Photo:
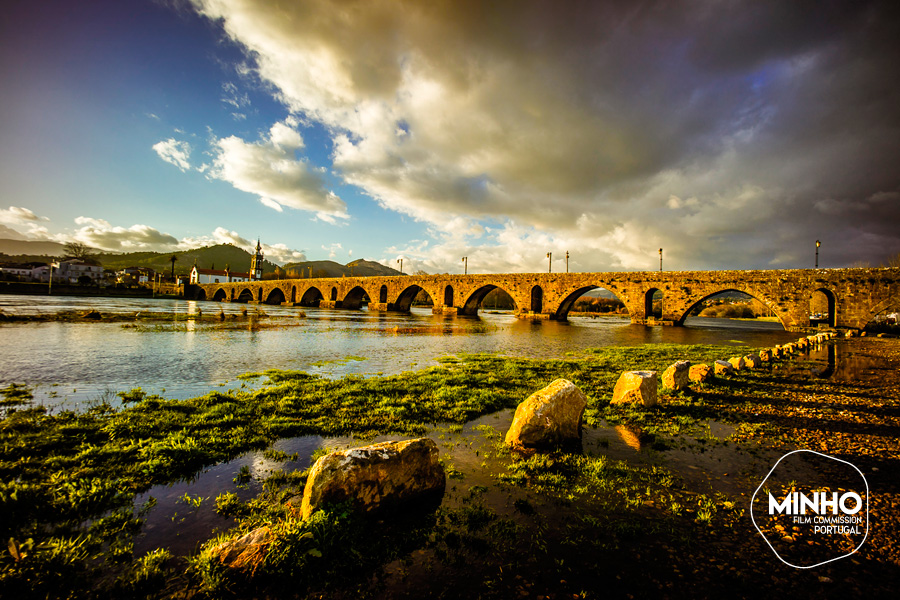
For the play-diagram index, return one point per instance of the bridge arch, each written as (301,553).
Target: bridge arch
(383,294)
(293,294)
(246,295)
(200,294)
(885,306)
(755,295)
(649,300)
(537,299)
(448,295)
(470,306)
(355,298)
(220,295)
(407,296)
(568,303)
(333,294)
(276,296)
(823,299)
(311,297)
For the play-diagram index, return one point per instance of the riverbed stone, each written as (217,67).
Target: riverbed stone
(247,552)
(753,361)
(636,387)
(676,376)
(766,355)
(548,418)
(737,362)
(385,475)
(777,352)
(722,367)
(700,373)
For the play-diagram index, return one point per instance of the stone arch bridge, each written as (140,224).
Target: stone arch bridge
(854,296)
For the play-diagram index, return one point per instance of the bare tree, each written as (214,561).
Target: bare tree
(894,261)
(76,250)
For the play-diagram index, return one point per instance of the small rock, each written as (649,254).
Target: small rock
(676,376)
(700,373)
(549,417)
(636,387)
(245,553)
(723,367)
(737,363)
(753,361)
(766,355)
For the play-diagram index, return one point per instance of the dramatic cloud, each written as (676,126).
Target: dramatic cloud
(174,152)
(16,215)
(22,217)
(730,134)
(270,169)
(100,234)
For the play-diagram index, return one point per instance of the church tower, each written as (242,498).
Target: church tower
(256,263)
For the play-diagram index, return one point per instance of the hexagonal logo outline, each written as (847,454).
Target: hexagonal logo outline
(766,478)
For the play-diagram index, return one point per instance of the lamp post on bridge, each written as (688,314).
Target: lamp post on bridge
(310,272)
(660,260)
(567,261)
(400,260)
(549,262)
(465,260)
(818,243)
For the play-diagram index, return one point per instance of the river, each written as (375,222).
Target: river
(71,364)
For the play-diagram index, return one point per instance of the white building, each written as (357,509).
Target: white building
(216,276)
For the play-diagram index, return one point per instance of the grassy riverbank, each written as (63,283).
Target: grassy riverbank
(554,525)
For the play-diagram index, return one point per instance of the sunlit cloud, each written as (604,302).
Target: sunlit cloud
(270,169)
(174,152)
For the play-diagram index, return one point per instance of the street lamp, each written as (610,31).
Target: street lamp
(400,260)
(465,260)
(818,243)
(567,261)
(550,262)
(660,259)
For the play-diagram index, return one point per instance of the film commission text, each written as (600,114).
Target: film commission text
(797,503)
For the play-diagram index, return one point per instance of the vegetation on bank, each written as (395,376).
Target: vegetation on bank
(68,481)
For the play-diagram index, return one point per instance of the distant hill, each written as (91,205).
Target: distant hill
(208,257)
(329,268)
(26,248)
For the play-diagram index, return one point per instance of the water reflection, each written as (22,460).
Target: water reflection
(188,357)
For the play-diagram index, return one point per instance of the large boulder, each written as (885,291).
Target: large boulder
(766,355)
(635,387)
(700,373)
(737,362)
(549,417)
(676,376)
(388,474)
(723,367)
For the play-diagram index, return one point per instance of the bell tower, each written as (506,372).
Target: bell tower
(256,263)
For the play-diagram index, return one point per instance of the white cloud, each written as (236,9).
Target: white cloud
(278,253)
(17,215)
(270,169)
(174,152)
(332,249)
(98,233)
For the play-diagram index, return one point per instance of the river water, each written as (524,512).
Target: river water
(70,364)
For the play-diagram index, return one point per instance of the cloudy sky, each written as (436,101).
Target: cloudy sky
(732,134)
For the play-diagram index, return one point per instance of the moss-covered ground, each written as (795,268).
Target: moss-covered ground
(551,525)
